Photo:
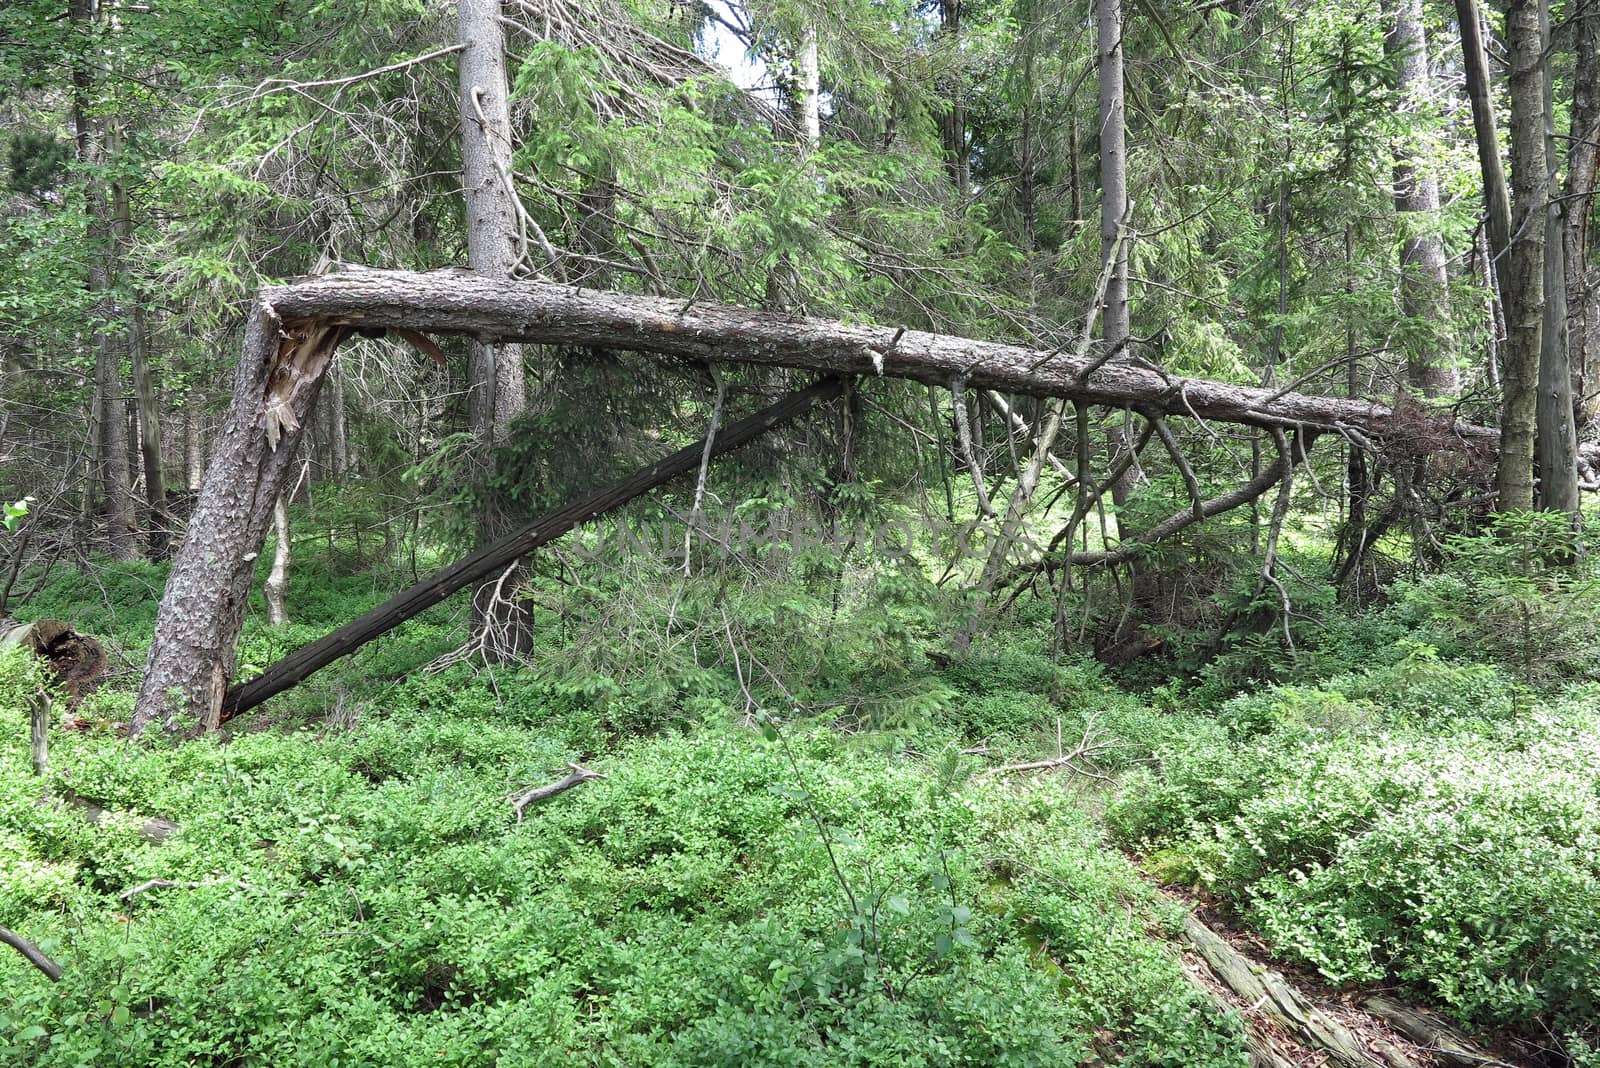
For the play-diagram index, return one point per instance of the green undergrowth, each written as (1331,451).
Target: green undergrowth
(367,897)
(1425,822)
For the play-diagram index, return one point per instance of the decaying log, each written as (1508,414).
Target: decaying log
(1434,1035)
(35,955)
(1269,990)
(155,830)
(77,660)
(495,556)
(576,777)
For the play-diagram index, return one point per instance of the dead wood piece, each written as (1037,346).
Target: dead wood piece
(77,660)
(1432,1034)
(1270,991)
(169,884)
(576,777)
(35,955)
(486,561)
(155,830)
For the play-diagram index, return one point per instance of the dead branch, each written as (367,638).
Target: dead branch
(35,955)
(958,406)
(576,777)
(1079,761)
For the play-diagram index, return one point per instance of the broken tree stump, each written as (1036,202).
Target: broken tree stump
(77,660)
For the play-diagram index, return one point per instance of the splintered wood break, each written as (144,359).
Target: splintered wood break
(303,355)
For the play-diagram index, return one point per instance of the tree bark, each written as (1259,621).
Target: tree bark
(496,247)
(194,453)
(1556,445)
(109,406)
(1522,273)
(1113,172)
(1424,283)
(457,302)
(1497,200)
(1583,170)
(192,653)
(276,588)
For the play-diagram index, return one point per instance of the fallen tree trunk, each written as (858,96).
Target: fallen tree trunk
(497,555)
(1447,1045)
(33,953)
(458,302)
(1265,989)
(294,330)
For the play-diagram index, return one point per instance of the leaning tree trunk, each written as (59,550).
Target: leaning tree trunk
(1424,283)
(496,245)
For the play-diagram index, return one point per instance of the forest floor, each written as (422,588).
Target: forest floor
(852,882)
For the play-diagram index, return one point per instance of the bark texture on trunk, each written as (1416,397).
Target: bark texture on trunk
(1113,171)
(1556,445)
(1583,170)
(1522,267)
(276,589)
(459,302)
(192,654)
(1424,283)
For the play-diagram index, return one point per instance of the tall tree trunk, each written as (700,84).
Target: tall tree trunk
(109,407)
(1583,170)
(146,394)
(1522,277)
(1113,171)
(495,247)
(809,75)
(953,120)
(1556,449)
(1424,283)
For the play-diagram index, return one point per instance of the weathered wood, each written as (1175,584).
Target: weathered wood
(1269,990)
(576,777)
(1433,1034)
(458,302)
(494,557)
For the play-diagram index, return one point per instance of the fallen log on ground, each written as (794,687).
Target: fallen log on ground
(1269,991)
(494,557)
(1434,1035)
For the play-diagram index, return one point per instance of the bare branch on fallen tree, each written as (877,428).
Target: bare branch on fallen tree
(1299,447)
(958,407)
(578,776)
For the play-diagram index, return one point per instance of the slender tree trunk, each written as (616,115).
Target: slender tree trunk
(1556,455)
(1113,171)
(953,121)
(194,457)
(276,588)
(1424,283)
(1522,279)
(1583,170)
(109,459)
(146,394)
(496,246)
(809,75)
